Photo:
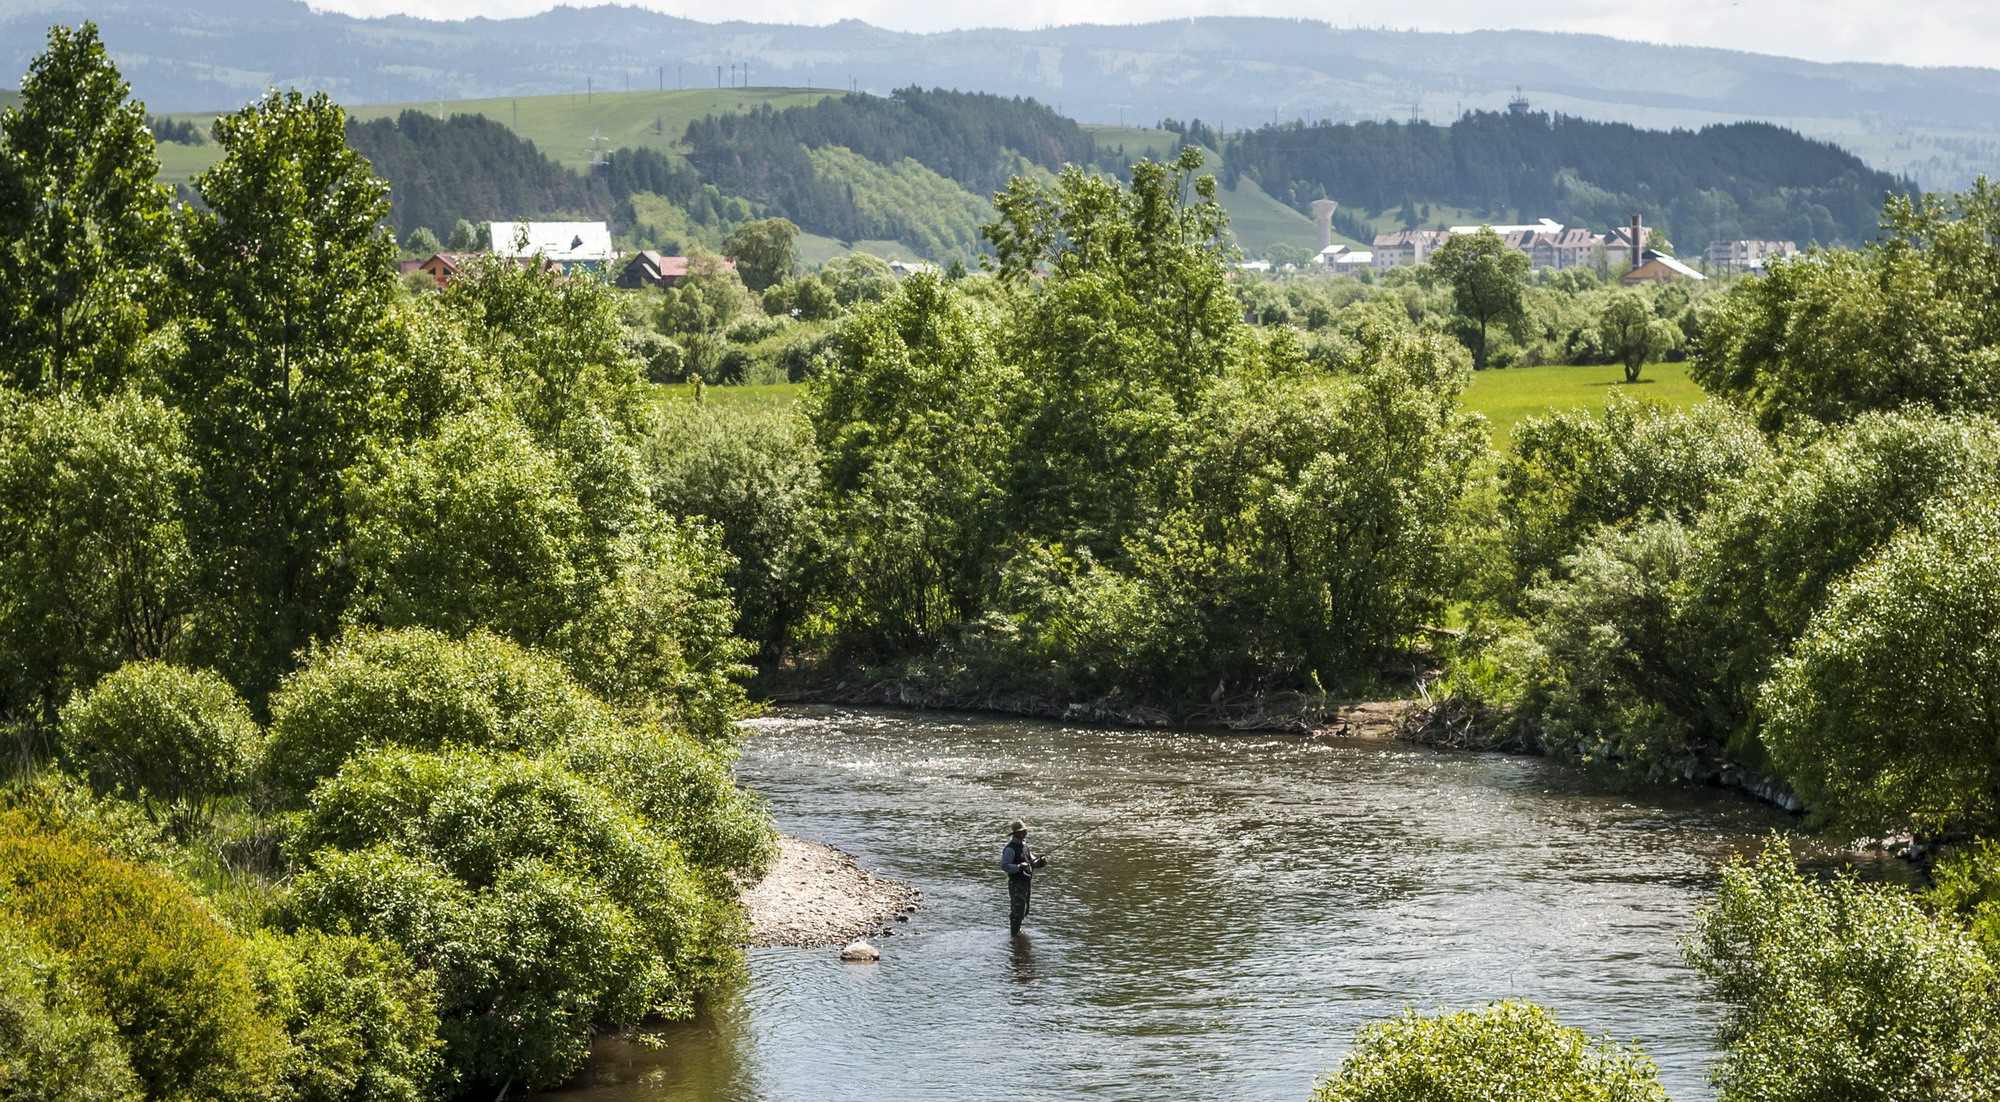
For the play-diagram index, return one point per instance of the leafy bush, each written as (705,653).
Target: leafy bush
(1906,323)
(94,562)
(1882,714)
(421,689)
(685,791)
(55,1046)
(1844,992)
(363,1025)
(1570,472)
(752,474)
(163,732)
(543,904)
(1611,674)
(1966,882)
(172,980)
(1504,1052)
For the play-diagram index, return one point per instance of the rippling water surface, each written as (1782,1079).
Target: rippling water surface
(1231,909)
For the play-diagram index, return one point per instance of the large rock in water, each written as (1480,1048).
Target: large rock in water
(861,951)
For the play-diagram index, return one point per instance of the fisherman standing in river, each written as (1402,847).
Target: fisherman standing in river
(1020,864)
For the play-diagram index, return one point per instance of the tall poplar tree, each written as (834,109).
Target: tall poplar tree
(84,224)
(292,277)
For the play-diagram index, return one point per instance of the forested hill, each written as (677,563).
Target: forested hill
(1720,182)
(917,166)
(974,139)
(473,168)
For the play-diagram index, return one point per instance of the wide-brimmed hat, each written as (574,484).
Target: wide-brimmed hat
(1016,827)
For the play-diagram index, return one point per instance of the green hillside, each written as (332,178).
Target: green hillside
(562,126)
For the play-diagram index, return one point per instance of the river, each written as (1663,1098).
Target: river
(1233,907)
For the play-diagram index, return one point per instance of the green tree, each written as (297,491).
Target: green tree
(1907,322)
(1115,347)
(95,566)
(763,251)
(1882,716)
(1503,1052)
(1485,277)
(84,221)
(421,242)
(907,424)
(464,238)
(282,379)
(756,478)
(158,732)
(1631,333)
(1844,992)
(1569,472)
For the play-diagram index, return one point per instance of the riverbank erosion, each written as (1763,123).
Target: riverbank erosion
(815,895)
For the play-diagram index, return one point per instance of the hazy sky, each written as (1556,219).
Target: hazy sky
(1913,32)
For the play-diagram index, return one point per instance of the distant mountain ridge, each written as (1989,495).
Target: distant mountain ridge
(1939,126)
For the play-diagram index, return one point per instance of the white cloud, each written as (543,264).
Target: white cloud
(1911,32)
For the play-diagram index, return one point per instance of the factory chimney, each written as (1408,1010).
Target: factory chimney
(1638,241)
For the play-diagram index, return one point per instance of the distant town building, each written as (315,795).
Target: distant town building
(1620,239)
(568,247)
(1658,267)
(1747,255)
(1406,248)
(650,269)
(904,268)
(1340,258)
(444,266)
(1548,244)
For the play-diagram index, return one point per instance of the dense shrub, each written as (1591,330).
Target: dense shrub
(55,1046)
(94,561)
(1966,882)
(544,905)
(752,474)
(1844,992)
(1569,472)
(1611,674)
(685,791)
(1775,544)
(175,735)
(420,689)
(1505,1052)
(363,1025)
(1906,323)
(1882,716)
(162,968)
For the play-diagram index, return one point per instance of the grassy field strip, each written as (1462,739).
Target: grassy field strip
(1504,395)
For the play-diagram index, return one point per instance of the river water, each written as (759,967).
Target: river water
(1232,908)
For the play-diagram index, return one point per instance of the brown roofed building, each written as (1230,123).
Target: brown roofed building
(650,269)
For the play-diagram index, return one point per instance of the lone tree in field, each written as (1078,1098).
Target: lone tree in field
(1485,277)
(1632,334)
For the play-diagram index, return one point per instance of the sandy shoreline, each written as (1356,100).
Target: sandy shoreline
(815,895)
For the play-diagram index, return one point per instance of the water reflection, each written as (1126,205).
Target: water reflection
(1223,911)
